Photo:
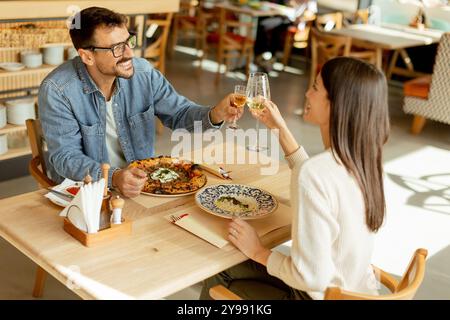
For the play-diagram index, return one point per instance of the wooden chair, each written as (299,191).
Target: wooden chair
(187,24)
(159,25)
(329,21)
(228,43)
(325,47)
(297,38)
(156,50)
(405,289)
(427,97)
(37,167)
(38,170)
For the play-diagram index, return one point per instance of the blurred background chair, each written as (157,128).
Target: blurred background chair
(427,97)
(325,47)
(329,21)
(406,289)
(233,40)
(187,24)
(38,170)
(157,33)
(158,27)
(297,37)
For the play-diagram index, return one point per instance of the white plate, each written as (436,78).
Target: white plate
(12,66)
(59,201)
(266,203)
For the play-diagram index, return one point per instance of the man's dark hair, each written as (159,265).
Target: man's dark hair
(89,20)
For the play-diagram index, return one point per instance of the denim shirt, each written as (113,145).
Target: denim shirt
(72,111)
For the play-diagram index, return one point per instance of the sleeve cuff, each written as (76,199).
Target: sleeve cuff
(274,263)
(297,157)
(210,124)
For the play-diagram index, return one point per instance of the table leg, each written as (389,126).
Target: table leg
(379,57)
(39,283)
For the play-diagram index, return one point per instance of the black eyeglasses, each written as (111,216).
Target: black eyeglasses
(119,48)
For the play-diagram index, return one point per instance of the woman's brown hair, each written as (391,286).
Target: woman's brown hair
(359,127)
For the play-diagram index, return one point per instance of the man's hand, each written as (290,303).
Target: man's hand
(129,181)
(226,110)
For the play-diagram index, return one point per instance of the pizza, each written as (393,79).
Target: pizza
(170,176)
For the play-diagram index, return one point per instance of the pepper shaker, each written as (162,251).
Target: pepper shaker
(117,205)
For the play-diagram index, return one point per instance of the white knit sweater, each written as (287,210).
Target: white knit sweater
(331,243)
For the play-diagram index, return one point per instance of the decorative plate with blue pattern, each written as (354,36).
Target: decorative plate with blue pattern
(236,200)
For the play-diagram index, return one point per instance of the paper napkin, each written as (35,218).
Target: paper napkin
(84,210)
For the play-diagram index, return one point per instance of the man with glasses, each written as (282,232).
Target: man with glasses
(101,106)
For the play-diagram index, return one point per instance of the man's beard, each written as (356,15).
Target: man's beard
(122,73)
(118,71)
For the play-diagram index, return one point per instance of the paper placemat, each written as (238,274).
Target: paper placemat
(214,229)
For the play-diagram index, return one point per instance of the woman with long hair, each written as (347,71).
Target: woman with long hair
(337,196)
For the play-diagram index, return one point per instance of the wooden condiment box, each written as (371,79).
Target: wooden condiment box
(104,235)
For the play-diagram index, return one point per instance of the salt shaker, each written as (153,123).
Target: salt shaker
(117,205)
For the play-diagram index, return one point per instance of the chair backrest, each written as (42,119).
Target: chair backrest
(158,27)
(325,47)
(403,290)
(440,80)
(330,21)
(37,167)
(361,16)
(229,24)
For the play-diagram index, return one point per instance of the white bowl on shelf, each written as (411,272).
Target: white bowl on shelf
(2,116)
(3,144)
(12,66)
(20,110)
(31,58)
(53,54)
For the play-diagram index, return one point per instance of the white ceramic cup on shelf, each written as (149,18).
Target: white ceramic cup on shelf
(31,58)
(20,110)
(53,54)
(2,116)
(3,144)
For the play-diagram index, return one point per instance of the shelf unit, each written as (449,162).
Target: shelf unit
(14,153)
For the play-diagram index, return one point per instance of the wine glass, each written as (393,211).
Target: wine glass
(258,92)
(240,98)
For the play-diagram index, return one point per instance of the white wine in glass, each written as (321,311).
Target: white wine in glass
(258,91)
(239,99)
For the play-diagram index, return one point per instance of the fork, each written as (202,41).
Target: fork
(174,218)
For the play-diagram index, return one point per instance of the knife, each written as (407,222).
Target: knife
(217,173)
(67,196)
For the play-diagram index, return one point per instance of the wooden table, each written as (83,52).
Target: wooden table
(264,11)
(156,260)
(389,37)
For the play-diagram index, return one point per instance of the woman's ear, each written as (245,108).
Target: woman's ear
(86,56)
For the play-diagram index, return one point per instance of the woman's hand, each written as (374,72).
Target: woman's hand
(270,116)
(245,238)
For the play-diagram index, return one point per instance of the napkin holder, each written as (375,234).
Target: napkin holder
(102,236)
(108,231)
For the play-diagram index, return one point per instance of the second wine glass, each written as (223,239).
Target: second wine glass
(258,91)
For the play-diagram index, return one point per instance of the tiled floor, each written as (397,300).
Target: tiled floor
(417,182)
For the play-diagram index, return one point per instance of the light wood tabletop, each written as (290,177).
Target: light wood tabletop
(389,36)
(264,11)
(156,260)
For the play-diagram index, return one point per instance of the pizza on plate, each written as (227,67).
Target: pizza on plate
(170,176)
